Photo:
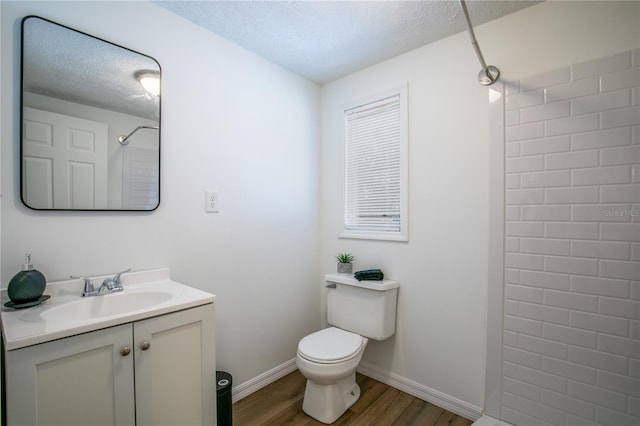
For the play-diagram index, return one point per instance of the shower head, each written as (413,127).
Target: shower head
(488,74)
(124,140)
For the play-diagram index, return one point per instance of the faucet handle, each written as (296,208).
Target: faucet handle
(114,284)
(89,290)
(116,278)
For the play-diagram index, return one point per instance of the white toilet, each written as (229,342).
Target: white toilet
(358,311)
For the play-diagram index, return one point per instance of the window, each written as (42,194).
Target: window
(375,175)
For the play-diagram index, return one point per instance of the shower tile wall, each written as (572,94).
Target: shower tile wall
(571,353)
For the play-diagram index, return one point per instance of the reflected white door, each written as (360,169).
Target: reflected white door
(64,161)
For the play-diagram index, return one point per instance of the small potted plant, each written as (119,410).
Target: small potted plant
(344,263)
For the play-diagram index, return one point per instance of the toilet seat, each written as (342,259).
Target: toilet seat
(330,345)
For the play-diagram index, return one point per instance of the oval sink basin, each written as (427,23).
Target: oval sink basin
(104,306)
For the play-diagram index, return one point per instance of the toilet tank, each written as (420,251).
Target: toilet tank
(367,308)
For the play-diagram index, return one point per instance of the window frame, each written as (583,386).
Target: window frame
(403,233)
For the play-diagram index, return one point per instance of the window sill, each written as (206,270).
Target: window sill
(382,236)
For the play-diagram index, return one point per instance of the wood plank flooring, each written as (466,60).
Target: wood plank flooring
(280,403)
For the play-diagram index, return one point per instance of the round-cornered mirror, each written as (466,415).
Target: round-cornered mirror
(90,136)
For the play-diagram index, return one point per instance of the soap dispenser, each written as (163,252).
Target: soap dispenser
(27,286)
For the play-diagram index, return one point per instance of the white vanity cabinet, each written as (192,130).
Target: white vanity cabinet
(154,371)
(175,378)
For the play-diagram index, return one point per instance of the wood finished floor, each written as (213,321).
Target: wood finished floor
(280,403)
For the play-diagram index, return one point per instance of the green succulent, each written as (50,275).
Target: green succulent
(344,258)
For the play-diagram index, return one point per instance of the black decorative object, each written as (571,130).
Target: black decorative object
(26,286)
(39,301)
(369,275)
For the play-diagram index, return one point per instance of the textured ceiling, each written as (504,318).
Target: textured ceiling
(325,40)
(319,40)
(62,63)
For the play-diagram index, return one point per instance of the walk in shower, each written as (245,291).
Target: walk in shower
(564,291)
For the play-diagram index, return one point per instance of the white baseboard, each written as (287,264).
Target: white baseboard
(247,388)
(425,393)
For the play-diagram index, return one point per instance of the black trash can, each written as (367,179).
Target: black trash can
(223,392)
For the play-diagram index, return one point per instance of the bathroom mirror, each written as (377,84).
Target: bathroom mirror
(90,122)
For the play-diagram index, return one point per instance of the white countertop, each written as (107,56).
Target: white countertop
(26,327)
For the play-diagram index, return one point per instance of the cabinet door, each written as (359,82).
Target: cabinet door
(79,380)
(175,368)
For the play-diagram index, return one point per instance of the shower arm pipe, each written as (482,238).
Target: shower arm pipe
(488,74)
(124,140)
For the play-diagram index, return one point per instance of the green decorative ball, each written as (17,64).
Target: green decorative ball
(26,286)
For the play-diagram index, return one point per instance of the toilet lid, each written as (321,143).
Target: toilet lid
(329,345)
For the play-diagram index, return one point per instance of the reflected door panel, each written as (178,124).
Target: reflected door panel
(68,155)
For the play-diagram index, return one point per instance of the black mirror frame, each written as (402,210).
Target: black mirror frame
(21,132)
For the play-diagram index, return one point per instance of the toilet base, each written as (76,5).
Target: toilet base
(326,403)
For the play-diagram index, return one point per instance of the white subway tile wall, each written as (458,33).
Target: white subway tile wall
(571,352)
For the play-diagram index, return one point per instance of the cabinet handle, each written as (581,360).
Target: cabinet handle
(125,351)
(145,345)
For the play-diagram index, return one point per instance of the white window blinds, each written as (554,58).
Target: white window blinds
(374,167)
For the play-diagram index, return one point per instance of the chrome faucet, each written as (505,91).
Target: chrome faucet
(111,285)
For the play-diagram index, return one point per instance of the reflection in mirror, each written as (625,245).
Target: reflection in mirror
(90,137)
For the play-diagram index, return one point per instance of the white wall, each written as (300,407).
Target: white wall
(231,122)
(439,347)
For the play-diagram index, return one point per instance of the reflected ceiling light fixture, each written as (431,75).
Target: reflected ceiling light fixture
(150,80)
